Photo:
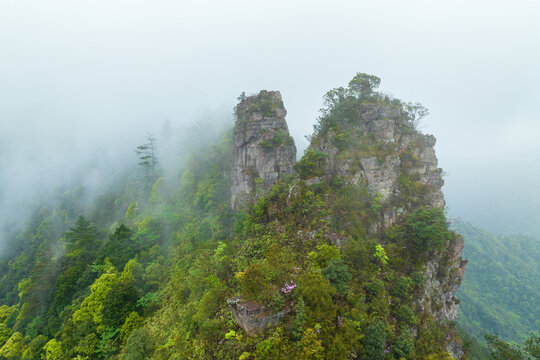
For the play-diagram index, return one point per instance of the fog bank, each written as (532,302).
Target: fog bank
(82,82)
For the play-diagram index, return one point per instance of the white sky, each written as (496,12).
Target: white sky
(76,76)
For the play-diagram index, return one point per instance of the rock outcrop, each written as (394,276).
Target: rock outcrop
(387,153)
(263,149)
(397,163)
(442,278)
(379,148)
(253,317)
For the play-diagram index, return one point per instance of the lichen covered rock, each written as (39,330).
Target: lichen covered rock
(263,149)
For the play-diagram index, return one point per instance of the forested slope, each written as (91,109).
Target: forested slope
(501,290)
(352,266)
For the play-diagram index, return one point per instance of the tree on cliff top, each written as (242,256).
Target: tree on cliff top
(341,104)
(364,84)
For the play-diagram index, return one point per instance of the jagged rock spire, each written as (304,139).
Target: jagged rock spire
(389,151)
(263,149)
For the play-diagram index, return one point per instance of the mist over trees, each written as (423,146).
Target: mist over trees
(59,93)
(31,180)
(117,240)
(115,274)
(148,154)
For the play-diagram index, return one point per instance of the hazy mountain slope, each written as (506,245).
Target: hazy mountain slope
(345,254)
(501,289)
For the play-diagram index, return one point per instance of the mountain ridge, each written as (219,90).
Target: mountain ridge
(349,246)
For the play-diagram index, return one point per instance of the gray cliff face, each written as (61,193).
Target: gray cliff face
(263,149)
(407,153)
(409,161)
(442,278)
(382,151)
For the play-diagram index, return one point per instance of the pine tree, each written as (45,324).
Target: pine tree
(147,154)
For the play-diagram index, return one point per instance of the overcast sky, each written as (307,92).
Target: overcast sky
(80,77)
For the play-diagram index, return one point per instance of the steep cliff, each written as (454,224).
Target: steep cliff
(382,149)
(397,163)
(364,211)
(264,151)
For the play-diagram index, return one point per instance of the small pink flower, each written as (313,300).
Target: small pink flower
(288,287)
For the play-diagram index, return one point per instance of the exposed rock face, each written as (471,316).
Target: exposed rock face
(409,161)
(252,317)
(408,153)
(442,278)
(380,177)
(263,149)
(381,150)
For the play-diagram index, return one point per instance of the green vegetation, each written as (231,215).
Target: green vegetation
(427,229)
(280,138)
(147,154)
(82,286)
(264,104)
(311,164)
(341,106)
(146,272)
(501,288)
(501,350)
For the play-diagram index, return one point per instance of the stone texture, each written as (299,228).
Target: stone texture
(263,148)
(387,126)
(442,278)
(380,177)
(253,317)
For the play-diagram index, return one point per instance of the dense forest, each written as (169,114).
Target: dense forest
(149,269)
(500,292)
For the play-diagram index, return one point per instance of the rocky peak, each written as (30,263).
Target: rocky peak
(369,141)
(391,157)
(263,149)
(397,163)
